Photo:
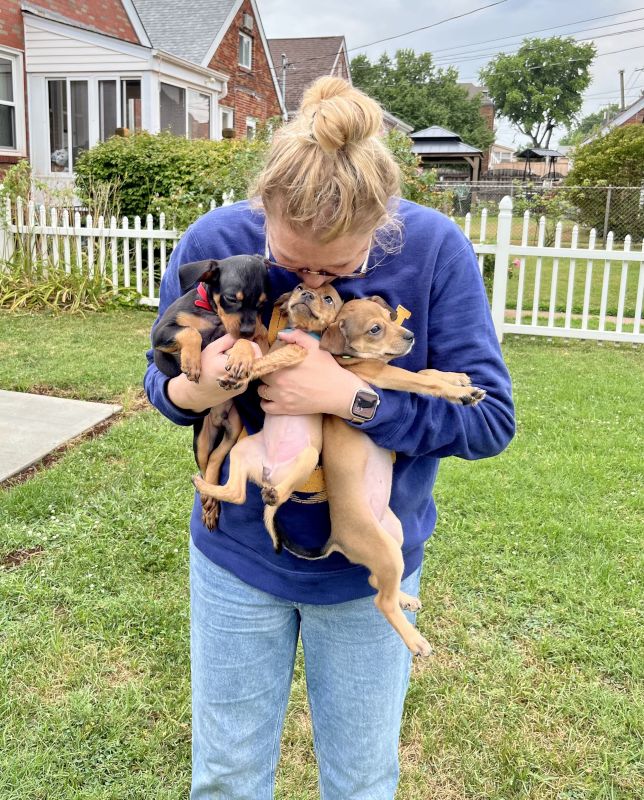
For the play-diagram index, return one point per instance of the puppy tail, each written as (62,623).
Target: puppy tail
(297,550)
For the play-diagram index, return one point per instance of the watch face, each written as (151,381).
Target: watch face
(365,404)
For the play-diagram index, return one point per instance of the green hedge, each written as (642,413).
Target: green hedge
(149,174)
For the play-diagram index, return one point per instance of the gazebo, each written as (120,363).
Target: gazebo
(436,145)
(539,155)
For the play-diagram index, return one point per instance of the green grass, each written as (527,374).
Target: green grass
(531,588)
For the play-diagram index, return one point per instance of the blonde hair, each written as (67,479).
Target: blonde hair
(328,170)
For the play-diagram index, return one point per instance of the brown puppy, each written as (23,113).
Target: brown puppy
(286,451)
(363,339)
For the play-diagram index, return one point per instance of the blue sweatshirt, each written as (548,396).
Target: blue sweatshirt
(435,284)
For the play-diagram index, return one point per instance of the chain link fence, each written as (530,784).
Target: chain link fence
(619,209)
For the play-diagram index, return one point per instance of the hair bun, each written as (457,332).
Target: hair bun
(339,114)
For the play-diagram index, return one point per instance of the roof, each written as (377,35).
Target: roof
(436,132)
(473,90)
(396,122)
(620,119)
(55,16)
(444,148)
(539,152)
(185,30)
(309,58)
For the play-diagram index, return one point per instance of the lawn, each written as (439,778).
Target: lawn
(531,588)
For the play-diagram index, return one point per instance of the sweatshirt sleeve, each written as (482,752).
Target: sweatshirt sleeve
(155,382)
(461,338)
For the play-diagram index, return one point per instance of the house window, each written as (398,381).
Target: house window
(185,112)
(245,51)
(7,105)
(107,106)
(68,123)
(12,114)
(227,117)
(251,127)
(198,115)
(173,109)
(131,105)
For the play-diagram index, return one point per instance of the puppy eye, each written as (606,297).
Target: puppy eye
(231,299)
(375,329)
(328,299)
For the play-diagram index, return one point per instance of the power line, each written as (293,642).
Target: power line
(476,54)
(426,27)
(479,56)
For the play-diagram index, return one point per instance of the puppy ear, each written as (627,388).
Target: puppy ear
(376,299)
(197,271)
(282,301)
(334,339)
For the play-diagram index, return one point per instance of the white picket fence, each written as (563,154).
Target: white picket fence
(136,256)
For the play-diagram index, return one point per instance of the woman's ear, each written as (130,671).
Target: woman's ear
(334,339)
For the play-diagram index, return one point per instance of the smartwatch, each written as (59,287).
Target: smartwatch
(364,405)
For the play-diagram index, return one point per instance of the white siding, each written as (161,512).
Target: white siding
(52,52)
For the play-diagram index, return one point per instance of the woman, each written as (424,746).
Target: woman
(326,210)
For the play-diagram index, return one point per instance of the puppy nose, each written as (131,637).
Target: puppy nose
(408,336)
(307,295)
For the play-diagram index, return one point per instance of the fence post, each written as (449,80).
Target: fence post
(607,212)
(501,259)
(6,234)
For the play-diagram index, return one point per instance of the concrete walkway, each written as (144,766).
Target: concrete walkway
(32,425)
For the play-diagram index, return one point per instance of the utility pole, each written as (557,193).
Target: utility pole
(621,90)
(285,65)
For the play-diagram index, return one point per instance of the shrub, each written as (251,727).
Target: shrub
(616,159)
(170,174)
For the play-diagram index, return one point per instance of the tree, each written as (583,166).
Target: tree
(616,160)
(413,89)
(541,85)
(589,125)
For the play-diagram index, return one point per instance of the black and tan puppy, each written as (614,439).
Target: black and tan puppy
(363,338)
(227,299)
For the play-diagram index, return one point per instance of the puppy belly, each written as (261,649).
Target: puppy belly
(377,487)
(285,437)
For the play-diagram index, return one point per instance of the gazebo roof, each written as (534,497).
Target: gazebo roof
(441,142)
(538,153)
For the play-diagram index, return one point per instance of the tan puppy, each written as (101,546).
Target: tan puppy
(363,338)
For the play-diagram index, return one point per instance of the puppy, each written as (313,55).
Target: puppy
(286,451)
(358,473)
(228,298)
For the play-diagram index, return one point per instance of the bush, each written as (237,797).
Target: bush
(170,174)
(616,159)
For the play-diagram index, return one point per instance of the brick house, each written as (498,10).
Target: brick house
(73,72)
(299,61)
(632,115)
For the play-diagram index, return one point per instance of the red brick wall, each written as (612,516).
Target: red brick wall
(251,93)
(107,16)
(636,119)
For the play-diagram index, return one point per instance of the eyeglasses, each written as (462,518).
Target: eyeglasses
(361,272)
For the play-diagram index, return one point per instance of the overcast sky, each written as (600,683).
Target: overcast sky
(470,42)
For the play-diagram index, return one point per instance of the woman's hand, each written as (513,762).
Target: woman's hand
(318,385)
(207,393)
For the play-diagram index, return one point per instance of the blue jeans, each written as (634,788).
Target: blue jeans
(243,644)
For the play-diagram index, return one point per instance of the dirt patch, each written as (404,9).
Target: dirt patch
(15,558)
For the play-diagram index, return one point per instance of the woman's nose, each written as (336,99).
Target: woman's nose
(313,281)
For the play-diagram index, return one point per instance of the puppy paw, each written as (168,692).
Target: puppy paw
(230,384)
(419,646)
(270,498)
(239,367)
(473,396)
(210,512)
(191,368)
(409,603)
